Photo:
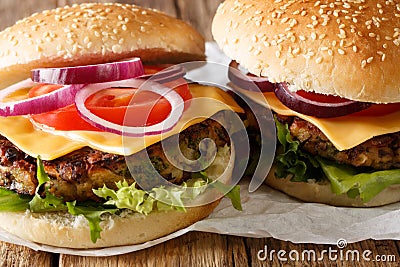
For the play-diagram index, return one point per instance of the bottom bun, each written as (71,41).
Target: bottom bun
(65,230)
(320,192)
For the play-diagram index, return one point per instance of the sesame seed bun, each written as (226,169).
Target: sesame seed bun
(94,33)
(345,48)
(65,230)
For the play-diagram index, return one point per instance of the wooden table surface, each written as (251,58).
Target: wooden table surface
(192,249)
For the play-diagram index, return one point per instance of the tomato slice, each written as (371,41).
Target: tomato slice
(112,104)
(321,97)
(373,110)
(379,110)
(145,108)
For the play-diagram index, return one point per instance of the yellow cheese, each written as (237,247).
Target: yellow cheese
(344,132)
(50,144)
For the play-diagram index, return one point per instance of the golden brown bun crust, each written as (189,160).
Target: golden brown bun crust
(347,48)
(61,231)
(322,193)
(94,33)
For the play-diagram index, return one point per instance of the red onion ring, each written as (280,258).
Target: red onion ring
(170,74)
(44,103)
(248,82)
(88,74)
(176,101)
(314,108)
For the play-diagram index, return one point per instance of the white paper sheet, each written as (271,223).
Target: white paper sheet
(269,213)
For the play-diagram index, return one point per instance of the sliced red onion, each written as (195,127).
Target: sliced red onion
(176,101)
(44,103)
(320,109)
(98,73)
(248,82)
(170,74)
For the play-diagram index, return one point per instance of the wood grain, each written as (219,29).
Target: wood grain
(205,249)
(18,256)
(13,10)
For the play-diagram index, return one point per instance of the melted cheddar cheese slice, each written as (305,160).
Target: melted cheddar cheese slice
(344,132)
(52,144)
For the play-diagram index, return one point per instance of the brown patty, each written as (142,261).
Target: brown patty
(74,175)
(381,152)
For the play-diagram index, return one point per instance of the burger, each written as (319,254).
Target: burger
(328,71)
(77,132)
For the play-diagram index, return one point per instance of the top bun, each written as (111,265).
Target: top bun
(91,34)
(349,48)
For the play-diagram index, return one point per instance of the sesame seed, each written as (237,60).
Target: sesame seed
(363,63)
(296,51)
(313,36)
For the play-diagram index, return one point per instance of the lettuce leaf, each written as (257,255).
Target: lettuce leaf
(291,160)
(49,202)
(11,201)
(93,216)
(233,193)
(344,179)
(126,197)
